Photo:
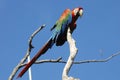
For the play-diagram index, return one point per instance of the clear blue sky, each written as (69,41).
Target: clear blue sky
(97,36)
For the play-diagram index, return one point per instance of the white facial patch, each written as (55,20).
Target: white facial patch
(76,10)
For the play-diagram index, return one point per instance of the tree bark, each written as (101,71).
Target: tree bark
(73,52)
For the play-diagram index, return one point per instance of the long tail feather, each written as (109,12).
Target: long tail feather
(40,52)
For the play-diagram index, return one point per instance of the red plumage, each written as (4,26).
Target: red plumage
(60,40)
(40,52)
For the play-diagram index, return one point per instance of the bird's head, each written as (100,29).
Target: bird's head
(78,11)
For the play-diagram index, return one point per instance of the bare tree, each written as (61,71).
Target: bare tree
(69,63)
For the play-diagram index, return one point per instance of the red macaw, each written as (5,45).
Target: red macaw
(67,19)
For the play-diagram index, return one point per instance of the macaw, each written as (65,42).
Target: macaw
(59,35)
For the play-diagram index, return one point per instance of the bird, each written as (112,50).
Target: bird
(59,34)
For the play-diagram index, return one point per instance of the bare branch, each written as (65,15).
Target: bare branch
(27,53)
(73,52)
(46,61)
(101,60)
(32,36)
(58,60)
(77,62)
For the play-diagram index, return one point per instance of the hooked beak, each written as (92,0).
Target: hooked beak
(81,12)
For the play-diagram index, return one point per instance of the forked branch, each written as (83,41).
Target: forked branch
(69,63)
(27,53)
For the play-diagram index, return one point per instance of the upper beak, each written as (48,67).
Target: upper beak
(81,13)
